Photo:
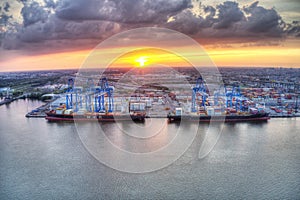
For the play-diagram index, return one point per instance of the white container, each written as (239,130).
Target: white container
(117,107)
(178,111)
(210,111)
(218,113)
(148,103)
(81,111)
(134,106)
(60,111)
(137,106)
(142,106)
(68,112)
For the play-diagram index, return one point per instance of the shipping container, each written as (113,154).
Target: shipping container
(178,111)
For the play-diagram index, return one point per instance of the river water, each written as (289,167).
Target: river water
(41,160)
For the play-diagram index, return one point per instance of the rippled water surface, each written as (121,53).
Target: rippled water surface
(41,160)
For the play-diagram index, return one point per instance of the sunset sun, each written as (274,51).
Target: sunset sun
(141,61)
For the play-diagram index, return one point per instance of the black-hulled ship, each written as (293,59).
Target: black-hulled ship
(221,118)
(211,114)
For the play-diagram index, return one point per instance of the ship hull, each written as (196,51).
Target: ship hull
(228,118)
(52,117)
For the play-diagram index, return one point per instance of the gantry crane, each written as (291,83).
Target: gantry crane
(199,91)
(73,96)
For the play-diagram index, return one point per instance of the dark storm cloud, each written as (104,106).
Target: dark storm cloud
(220,21)
(22,1)
(56,29)
(6,7)
(70,22)
(4,18)
(230,21)
(186,22)
(50,4)
(33,13)
(122,11)
(294,28)
(263,20)
(229,13)
(40,26)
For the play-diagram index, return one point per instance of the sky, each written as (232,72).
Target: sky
(60,34)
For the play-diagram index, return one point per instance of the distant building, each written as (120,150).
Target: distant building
(6,91)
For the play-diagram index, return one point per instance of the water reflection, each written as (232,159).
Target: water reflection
(41,159)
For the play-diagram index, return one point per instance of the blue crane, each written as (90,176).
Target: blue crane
(217,95)
(200,90)
(109,91)
(78,98)
(229,95)
(233,92)
(100,92)
(74,98)
(73,93)
(69,95)
(238,97)
(89,94)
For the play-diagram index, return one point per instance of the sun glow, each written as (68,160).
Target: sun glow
(141,61)
(286,56)
(149,57)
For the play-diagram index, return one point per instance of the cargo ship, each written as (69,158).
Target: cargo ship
(95,104)
(229,116)
(137,117)
(100,117)
(61,114)
(226,105)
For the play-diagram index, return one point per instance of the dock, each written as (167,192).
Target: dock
(39,112)
(7,101)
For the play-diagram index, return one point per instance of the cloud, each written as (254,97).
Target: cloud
(186,22)
(125,11)
(65,23)
(54,30)
(6,7)
(229,13)
(263,20)
(4,18)
(229,22)
(32,13)
(293,29)
(50,4)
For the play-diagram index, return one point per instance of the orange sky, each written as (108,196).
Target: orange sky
(286,55)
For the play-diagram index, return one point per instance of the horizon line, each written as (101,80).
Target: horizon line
(77,69)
